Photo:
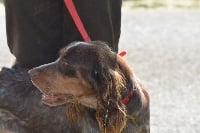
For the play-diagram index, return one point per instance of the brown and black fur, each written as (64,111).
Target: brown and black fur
(97,80)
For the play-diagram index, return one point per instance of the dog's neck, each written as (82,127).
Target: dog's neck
(135,102)
(128,87)
(128,92)
(131,86)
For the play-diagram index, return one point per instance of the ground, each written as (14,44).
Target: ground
(163,49)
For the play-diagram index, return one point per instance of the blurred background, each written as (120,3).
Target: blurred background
(162,3)
(162,40)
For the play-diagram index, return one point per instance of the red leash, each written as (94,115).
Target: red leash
(79,24)
(74,14)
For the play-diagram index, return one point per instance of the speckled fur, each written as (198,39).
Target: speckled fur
(22,111)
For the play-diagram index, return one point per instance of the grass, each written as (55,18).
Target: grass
(162,4)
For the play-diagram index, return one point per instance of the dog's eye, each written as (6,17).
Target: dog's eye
(96,75)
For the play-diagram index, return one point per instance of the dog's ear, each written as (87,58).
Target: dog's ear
(111,112)
(125,70)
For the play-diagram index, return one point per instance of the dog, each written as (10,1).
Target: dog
(88,76)
(110,97)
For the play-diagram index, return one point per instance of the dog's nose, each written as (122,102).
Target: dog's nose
(32,73)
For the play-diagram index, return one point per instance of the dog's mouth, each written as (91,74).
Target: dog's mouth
(61,99)
(56,99)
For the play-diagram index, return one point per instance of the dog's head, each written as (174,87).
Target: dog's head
(91,74)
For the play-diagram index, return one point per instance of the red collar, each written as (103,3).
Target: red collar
(128,97)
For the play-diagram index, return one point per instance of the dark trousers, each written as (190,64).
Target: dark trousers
(37,29)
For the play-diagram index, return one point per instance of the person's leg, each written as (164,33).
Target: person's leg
(37,29)
(34,30)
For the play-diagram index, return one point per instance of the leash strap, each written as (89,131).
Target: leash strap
(79,24)
(73,12)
